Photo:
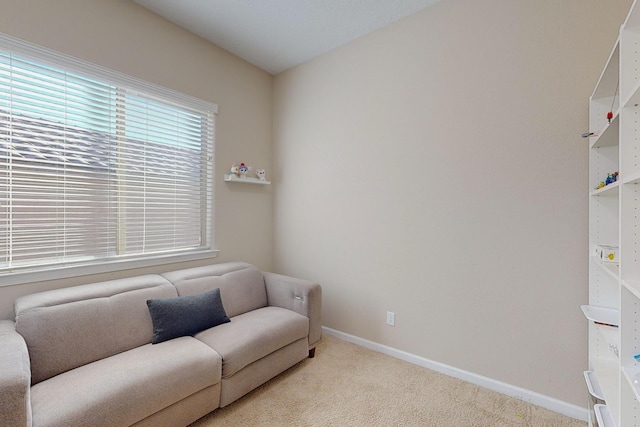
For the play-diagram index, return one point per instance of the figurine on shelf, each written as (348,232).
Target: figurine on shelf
(611,178)
(601,185)
(244,169)
(609,116)
(261,174)
(235,171)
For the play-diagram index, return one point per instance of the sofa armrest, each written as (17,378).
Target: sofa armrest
(301,296)
(15,377)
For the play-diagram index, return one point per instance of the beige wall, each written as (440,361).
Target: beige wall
(122,36)
(435,169)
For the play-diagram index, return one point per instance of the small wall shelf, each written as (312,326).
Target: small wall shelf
(248,180)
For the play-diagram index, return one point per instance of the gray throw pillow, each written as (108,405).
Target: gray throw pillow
(188,315)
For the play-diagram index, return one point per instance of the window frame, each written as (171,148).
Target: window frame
(58,60)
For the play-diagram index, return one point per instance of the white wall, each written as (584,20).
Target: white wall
(435,169)
(125,37)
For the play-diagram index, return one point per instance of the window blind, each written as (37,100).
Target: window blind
(96,168)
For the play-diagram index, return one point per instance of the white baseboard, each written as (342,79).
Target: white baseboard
(550,403)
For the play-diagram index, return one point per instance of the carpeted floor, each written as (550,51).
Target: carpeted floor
(348,385)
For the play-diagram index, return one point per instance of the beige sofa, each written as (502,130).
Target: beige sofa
(83,355)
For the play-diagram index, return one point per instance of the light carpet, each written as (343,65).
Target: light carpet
(348,385)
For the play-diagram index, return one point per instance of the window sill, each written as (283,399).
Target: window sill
(85,269)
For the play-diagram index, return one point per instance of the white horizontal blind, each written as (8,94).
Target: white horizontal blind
(95,170)
(160,179)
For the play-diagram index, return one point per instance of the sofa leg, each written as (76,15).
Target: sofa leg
(312,353)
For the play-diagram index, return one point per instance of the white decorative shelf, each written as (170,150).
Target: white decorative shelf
(593,385)
(634,98)
(633,178)
(608,190)
(601,315)
(609,135)
(607,372)
(603,415)
(248,180)
(632,375)
(632,286)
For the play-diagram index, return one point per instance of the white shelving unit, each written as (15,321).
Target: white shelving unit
(613,311)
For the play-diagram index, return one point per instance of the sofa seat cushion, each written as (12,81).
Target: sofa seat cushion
(253,335)
(127,387)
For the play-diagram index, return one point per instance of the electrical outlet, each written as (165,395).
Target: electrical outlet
(391,318)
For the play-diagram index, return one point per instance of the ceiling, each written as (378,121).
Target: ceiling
(276,35)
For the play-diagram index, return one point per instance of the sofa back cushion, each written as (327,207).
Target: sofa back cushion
(241,285)
(70,327)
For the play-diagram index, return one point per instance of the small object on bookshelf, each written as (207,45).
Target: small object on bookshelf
(611,178)
(607,253)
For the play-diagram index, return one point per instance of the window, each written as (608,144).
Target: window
(97,167)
